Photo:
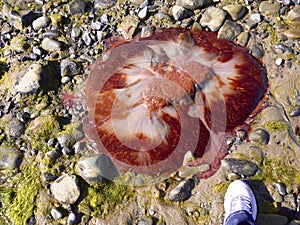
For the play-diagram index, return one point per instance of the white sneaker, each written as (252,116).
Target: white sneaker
(239,196)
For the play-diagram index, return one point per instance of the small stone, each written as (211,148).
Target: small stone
(65,189)
(67,151)
(57,213)
(268,8)
(294,222)
(278,61)
(230,30)
(53,155)
(145,220)
(256,51)
(128,26)
(236,11)
(75,33)
(16,128)
(51,45)
(180,12)
(40,23)
(48,177)
(30,81)
(256,17)
(241,167)
(71,218)
(37,50)
(95,170)
(87,38)
(69,68)
(65,140)
(143,13)
(293,16)
(97,25)
(243,39)
(296,2)
(77,7)
(9,158)
(103,4)
(193,4)
(104,18)
(147,31)
(281,188)
(182,191)
(65,79)
(213,18)
(52,34)
(260,136)
(295,111)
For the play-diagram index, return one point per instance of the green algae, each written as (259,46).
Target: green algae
(276,126)
(221,188)
(102,198)
(19,199)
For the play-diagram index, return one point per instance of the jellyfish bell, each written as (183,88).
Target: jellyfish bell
(151,100)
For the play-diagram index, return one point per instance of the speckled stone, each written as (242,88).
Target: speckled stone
(213,18)
(267,8)
(241,167)
(259,135)
(193,4)
(182,191)
(180,12)
(230,30)
(128,26)
(77,7)
(9,158)
(236,11)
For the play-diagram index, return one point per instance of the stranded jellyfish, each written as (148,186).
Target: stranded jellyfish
(151,100)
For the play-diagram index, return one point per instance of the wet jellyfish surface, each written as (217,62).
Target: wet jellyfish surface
(151,100)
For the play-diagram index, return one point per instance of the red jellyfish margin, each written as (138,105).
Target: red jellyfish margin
(151,100)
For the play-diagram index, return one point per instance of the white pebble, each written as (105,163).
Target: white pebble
(256,17)
(278,61)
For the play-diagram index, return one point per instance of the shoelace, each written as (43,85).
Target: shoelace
(241,203)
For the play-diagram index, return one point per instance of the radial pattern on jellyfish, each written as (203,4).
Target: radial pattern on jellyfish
(151,100)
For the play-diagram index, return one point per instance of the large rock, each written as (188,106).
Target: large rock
(9,158)
(213,18)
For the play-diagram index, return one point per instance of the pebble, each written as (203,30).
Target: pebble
(147,31)
(97,25)
(143,13)
(243,38)
(255,17)
(213,18)
(103,4)
(284,2)
(30,82)
(65,140)
(236,11)
(145,220)
(180,12)
(87,38)
(40,23)
(260,135)
(293,16)
(278,61)
(47,177)
(97,169)
(37,50)
(57,213)
(182,191)
(256,51)
(281,188)
(75,33)
(16,128)
(77,7)
(69,68)
(241,167)
(71,218)
(128,26)
(295,111)
(65,189)
(230,30)
(9,158)
(193,4)
(267,8)
(51,45)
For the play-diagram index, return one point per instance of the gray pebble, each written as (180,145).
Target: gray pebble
(51,45)
(281,188)
(256,51)
(104,18)
(284,2)
(259,135)
(256,17)
(75,33)
(293,16)
(295,111)
(97,25)
(87,38)
(65,189)
(193,4)
(40,23)
(230,30)
(296,2)
(213,18)
(65,140)
(9,158)
(67,151)
(48,177)
(53,155)
(241,167)
(102,4)
(16,128)
(96,169)
(72,218)
(145,220)
(52,34)
(236,11)
(77,7)
(69,68)
(180,12)
(182,191)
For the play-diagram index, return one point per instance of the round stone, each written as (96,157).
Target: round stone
(40,23)
(213,18)
(51,45)
(9,158)
(260,136)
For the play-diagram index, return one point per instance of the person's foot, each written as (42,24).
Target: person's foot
(239,196)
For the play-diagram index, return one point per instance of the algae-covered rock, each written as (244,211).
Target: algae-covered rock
(9,158)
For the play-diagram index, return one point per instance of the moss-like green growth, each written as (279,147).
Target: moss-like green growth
(19,199)
(276,126)
(221,188)
(102,198)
